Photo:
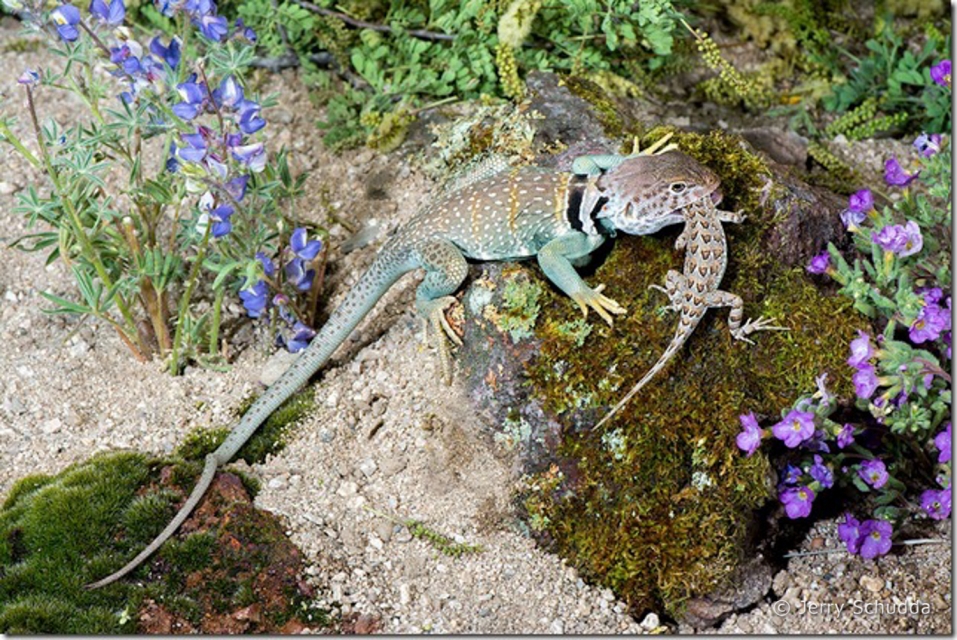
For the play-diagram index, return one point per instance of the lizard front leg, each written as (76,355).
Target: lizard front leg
(555,260)
(739,331)
(445,270)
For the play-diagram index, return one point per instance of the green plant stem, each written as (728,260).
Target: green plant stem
(217,316)
(138,348)
(8,136)
(184,301)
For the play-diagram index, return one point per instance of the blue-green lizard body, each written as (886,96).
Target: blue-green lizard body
(557,217)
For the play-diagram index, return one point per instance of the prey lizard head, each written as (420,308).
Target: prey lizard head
(646,192)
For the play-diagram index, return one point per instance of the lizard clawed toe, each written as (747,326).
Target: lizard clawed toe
(442,332)
(750,326)
(603,305)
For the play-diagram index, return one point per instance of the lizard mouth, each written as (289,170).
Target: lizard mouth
(716,196)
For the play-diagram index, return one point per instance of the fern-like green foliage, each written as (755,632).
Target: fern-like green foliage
(399,67)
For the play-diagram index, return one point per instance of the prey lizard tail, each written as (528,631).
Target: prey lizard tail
(385,271)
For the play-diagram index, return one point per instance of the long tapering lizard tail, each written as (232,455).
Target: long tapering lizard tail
(557,217)
(693,292)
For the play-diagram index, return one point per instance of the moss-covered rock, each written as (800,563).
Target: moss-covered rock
(661,506)
(229,570)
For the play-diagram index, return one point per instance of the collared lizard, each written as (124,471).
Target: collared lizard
(557,217)
(693,292)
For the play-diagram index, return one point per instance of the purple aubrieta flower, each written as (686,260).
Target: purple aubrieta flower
(850,533)
(819,263)
(904,240)
(894,174)
(943,443)
(845,436)
(927,145)
(795,428)
(937,503)
(940,73)
(29,77)
(750,437)
(874,473)
(875,538)
(821,472)
(791,474)
(852,219)
(861,350)
(861,201)
(929,324)
(112,12)
(66,17)
(797,501)
(255,298)
(865,381)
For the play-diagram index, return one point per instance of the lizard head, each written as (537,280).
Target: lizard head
(646,193)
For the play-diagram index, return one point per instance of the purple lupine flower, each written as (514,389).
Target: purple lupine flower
(821,472)
(301,248)
(845,436)
(930,323)
(943,443)
(194,100)
(196,147)
(861,201)
(229,93)
(874,473)
(250,121)
(937,503)
(220,217)
(112,12)
(819,263)
(794,428)
(29,77)
(172,164)
(237,187)
(875,538)
(894,174)
(850,533)
(299,275)
(797,501)
(861,350)
(66,17)
(750,437)
(301,337)
(170,54)
(940,73)
(254,299)
(268,267)
(927,145)
(865,381)
(212,27)
(243,31)
(251,155)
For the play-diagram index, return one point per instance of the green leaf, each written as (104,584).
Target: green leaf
(66,306)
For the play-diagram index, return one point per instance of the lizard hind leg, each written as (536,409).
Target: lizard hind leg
(740,331)
(445,270)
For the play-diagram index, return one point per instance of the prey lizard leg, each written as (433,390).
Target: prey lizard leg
(555,259)
(739,331)
(445,270)
(675,283)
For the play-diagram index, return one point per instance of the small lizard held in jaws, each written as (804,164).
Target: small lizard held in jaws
(696,290)
(506,214)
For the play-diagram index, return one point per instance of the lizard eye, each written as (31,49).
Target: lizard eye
(678,187)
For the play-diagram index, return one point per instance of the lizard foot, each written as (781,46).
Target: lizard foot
(671,296)
(750,326)
(442,332)
(603,305)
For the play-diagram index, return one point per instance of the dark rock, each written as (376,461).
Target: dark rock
(749,584)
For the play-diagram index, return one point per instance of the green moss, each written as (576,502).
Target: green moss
(269,438)
(603,107)
(58,533)
(520,306)
(659,501)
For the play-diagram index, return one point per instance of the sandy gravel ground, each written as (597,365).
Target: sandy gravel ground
(386,438)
